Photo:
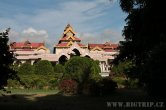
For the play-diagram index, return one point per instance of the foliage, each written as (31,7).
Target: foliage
(121,81)
(68,86)
(44,67)
(26,68)
(35,81)
(123,68)
(15,67)
(94,71)
(131,83)
(59,68)
(6,59)
(77,68)
(154,72)
(145,39)
(108,86)
(82,69)
(104,87)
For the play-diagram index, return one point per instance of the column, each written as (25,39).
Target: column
(32,61)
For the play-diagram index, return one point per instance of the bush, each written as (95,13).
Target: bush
(131,83)
(108,86)
(94,72)
(44,67)
(68,87)
(82,69)
(35,81)
(104,87)
(26,68)
(91,87)
(121,81)
(59,68)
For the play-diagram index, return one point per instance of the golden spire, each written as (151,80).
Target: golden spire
(68,28)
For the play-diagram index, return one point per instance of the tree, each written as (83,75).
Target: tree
(154,72)
(44,67)
(144,35)
(26,68)
(77,68)
(123,68)
(6,59)
(94,71)
(59,68)
(82,69)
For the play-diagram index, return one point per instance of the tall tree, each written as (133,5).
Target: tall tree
(145,36)
(6,59)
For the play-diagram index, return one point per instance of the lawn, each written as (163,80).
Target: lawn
(51,100)
(33,91)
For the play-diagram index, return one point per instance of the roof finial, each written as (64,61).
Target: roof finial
(68,26)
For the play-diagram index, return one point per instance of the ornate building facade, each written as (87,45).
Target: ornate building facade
(69,45)
(30,52)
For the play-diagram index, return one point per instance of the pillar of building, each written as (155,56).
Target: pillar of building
(32,62)
(23,61)
(101,66)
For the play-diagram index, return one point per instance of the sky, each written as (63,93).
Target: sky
(94,21)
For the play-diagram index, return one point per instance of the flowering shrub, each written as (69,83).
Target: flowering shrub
(68,86)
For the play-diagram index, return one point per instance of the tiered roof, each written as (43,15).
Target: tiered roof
(68,38)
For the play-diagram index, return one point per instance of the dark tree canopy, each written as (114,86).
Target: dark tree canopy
(6,59)
(145,28)
(145,36)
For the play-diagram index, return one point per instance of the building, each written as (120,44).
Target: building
(29,52)
(69,45)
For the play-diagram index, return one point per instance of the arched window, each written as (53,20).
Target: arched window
(75,53)
(62,59)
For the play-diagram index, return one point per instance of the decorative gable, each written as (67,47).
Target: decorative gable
(68,38)
(69,30)
(97,49)
(70,43)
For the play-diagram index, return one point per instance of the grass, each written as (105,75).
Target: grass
(51,100)
(33,91)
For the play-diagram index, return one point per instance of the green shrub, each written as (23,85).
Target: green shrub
(35,81)
(59,68)
(132,83)
(44,67)
(13,83)
(82,69)
(26,68)
(121,81)
(104,87)
(94,72)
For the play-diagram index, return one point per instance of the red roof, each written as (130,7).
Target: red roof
(62,44)
(108,47)
(15,45)
(81,45)
(75,38)
(109,50)
(114,45)
(65,45)
(95,45)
